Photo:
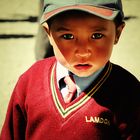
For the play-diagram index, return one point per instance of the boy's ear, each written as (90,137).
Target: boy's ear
(118,32)
(46,27)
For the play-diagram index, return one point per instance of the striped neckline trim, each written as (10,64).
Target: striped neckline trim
(67,111)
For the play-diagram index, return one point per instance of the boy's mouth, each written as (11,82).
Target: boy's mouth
(82,66)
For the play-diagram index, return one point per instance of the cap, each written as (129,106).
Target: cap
(107,9)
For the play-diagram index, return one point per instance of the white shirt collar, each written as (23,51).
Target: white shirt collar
(61,71)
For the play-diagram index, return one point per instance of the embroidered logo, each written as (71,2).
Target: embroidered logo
(91,119)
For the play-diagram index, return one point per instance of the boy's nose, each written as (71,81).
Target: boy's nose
(83,52)
(83,49)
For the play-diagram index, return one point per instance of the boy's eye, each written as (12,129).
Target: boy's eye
(68,36)
(97,36)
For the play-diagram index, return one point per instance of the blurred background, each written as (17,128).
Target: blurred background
(18,34)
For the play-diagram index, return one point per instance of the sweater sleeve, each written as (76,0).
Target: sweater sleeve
(15,125)
(15,121)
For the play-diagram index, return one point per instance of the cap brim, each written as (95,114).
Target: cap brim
(102,12)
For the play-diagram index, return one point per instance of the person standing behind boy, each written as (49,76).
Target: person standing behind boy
(78,94)
(43,49)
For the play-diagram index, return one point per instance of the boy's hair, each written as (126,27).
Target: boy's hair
(106,9)
(118,20)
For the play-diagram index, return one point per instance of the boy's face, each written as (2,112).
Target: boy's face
(82,43)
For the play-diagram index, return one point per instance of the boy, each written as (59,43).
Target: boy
(104,104)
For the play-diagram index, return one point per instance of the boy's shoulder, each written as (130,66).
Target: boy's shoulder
(123,78)
(44,63)
(40,67)
(121,72)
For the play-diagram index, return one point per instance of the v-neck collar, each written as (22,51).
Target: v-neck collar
(66,109)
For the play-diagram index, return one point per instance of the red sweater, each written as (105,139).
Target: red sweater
(109,109)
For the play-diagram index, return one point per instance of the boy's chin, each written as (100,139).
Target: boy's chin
(83,74)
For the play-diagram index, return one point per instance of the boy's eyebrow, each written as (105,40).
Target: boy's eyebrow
(99,29)
(61,29)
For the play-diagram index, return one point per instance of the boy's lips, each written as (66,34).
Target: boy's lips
(82,66)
